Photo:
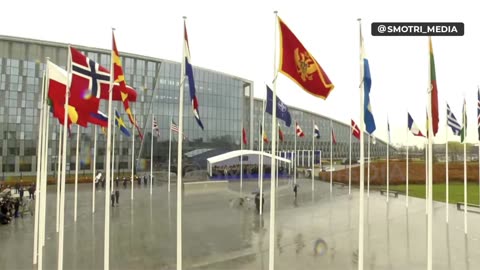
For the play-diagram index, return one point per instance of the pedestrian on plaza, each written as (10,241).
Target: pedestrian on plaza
(295,189)
(117,195)
(112,197)
(17,206)
(124,182)
(145,179)
(116,181)
(139,180)
(21,193)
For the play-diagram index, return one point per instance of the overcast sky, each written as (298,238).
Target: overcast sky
(237,37)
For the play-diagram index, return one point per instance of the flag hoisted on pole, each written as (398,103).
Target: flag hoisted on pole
(299,133)
(316,134)
(133,161)
(156,133)
(388,159)
(432,130)
(463,136)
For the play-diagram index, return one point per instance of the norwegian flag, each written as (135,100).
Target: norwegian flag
(191,81)
(299,130)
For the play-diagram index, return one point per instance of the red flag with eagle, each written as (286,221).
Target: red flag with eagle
(300,66)
(119,78)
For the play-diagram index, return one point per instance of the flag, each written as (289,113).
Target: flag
(433,90)
(98,118)
(57,87)
(244,136)
(191,82)
(367,85)
(388,129)
(93,80)
(155,127)
(282,109)
(413,127)
(452,122)
(334,138)
(280,134)
(316,131)
(300,66)
(478,113)
(119,78)
(299,130)
(119,123)
(174,128)
(463,132)
(355,130)
(374,140)
(264,135)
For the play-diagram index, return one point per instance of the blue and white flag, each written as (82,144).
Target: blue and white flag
(191,81)
(367,85)
(452,122)
(282,109)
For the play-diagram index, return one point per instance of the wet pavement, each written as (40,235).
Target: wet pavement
(315,231)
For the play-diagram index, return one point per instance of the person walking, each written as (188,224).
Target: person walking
(295,189)
(112,198)
(117,195)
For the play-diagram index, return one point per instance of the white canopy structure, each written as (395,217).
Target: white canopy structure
(233,158)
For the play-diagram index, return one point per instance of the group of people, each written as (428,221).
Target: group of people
(248,169)
(100,180)
(12,198)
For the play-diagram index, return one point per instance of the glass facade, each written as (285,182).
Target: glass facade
(221,98)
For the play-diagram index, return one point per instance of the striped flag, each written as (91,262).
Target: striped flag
(463,132)
(174,128)
(155,127)
(413,127)
(452,122)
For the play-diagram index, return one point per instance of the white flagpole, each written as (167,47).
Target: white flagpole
(133,162)
(59,168)
(446,169)
(169,153)
(76,176)
(108,173)
(350,163)
(64,166)
(426,176)
(388,165)
(241,162)
(43,203)
(430,175)
(276,166)
(271,249)
(94,166)
(295,155)
(261,159)
(406,174)
(368,167)
(151,158)
(465,178)
(331,156)
(179,156)
(39,166)
(313,156)
(362,161)
(112,179)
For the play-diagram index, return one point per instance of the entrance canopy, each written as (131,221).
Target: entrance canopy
(248,157)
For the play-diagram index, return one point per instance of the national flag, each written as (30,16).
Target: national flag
(119,123)
(282,109)
(264,135)
(300,66)
(316,131)
(355,130)
(463,132)
(98,118)
(334,138)
(93,79)
(452,122)
(433,90)
(155,127)
(299,130)
(281,136)
(367,85)
(413,127)
(478,114)
(244,136)
(119,78)
(57,87)
(388,129)
(191,81)
(174,127)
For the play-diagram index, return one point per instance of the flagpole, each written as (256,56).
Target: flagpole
(331,156)
(169,153)
(133,161)
(276,166)
(76,176)
(388,162)
(271,250)
(64,167)
(151,157)
(108,173)
(241,162)
(179,156)
(406,174)
(426,177)
(313,156)
(112,179)
(59,168)
(350,163)
(464,130)
(446,168)
(39,162)
(368,167)
(362,161)
(94,166)
(295,155)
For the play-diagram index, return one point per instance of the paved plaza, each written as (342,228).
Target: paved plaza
(315,231)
